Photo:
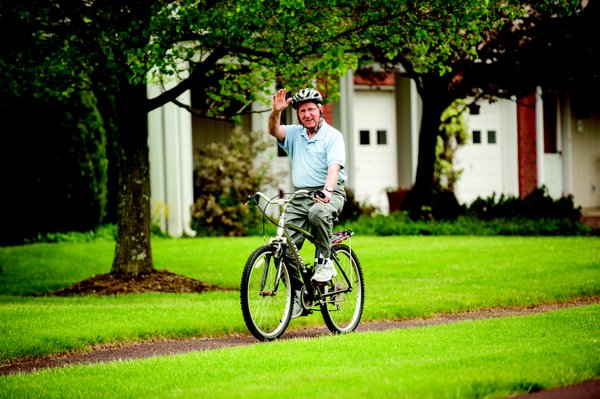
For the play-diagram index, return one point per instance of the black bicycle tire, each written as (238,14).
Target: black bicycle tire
(252,304)
(359,288)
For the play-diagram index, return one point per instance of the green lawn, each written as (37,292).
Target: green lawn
(405,277)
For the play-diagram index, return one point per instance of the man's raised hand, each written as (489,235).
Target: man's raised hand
(279,101)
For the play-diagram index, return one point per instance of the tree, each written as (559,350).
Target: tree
(231,52)
(228,51)
(513,49)
(557,52)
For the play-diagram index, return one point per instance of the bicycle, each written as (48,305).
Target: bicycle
(266,296)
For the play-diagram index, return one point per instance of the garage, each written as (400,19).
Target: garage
(481,159)
(374,145)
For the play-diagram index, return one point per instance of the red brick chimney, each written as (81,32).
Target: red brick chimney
(526,144)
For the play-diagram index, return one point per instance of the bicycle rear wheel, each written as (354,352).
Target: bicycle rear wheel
(266,300)
(342,310)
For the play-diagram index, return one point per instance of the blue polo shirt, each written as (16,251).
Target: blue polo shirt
(310,158)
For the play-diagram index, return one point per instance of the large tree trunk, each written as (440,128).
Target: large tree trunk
(430,124)
(424,199)
(133,253)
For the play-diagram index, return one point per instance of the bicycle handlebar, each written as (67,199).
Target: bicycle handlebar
(282,201)
(337,238)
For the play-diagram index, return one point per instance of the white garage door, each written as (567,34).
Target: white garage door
(481,158)
(374,146)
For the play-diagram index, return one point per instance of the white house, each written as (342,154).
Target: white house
(511,148)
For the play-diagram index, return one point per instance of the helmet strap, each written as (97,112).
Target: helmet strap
(316,128)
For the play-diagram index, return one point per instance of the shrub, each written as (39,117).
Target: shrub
(225,175)
(436,204)
(56,179)
(400,223)
(453,134)
(353,209)
(105,232)
(536,205)
(537,214)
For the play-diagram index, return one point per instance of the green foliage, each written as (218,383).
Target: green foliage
(230,51)
(432,204)
(225,176)
(436,37)
(239,50)
(400,223)
(61,49)
(453,134)
(440,47)
(353,209)
(536,205)
(537,214)
(104,233)
(57,173)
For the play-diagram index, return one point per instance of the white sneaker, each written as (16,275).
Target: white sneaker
(297,305)
(324,272)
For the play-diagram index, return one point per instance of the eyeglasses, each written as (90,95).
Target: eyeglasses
(311,109)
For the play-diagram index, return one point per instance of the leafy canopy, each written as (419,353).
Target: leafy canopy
(233,50)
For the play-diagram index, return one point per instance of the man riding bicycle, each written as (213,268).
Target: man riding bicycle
(317,156)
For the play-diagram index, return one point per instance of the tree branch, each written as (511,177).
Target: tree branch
(186,84)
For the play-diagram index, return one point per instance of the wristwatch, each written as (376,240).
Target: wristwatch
(329,188)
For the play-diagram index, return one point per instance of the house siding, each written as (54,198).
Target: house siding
(586,160)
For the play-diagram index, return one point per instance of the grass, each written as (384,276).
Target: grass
(405,277)
(490,358)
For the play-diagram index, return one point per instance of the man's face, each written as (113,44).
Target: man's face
(309,114)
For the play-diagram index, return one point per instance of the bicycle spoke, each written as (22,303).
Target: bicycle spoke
(344,300)
(266,304)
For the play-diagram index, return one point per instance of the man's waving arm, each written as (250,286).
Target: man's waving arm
(279,104)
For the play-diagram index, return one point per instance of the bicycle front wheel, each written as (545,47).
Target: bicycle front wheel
(265,296)
(343,302)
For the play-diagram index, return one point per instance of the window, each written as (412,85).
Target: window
(550,123)
(364,137)
(476,136)
(491,136)
(382,137)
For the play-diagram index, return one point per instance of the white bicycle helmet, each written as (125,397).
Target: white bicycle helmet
(306,95)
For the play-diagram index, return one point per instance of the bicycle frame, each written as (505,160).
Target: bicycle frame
(283,239)
(267,296)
